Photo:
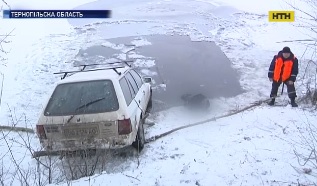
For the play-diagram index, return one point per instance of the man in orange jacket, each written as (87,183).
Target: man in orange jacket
(283,69)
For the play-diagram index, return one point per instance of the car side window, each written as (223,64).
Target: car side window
(133,93)
(126,90)
(137,78)
(132,83)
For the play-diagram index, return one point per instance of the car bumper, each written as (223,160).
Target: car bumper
(73,145)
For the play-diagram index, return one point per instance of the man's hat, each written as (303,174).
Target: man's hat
(286,50)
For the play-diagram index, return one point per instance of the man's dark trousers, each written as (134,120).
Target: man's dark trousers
(290,89)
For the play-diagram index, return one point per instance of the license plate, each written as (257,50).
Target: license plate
(81,132)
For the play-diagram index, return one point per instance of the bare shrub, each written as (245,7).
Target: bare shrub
(21,169)
(306,149)
(309,81)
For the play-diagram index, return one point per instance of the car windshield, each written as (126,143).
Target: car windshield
(82,98)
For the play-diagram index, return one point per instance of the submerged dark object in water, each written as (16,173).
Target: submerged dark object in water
(196,102)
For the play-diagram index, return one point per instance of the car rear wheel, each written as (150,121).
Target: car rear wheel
(140,137)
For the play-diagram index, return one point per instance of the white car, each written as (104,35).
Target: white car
(96,109)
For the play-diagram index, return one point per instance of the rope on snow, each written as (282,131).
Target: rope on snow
(258,103)
(17,129)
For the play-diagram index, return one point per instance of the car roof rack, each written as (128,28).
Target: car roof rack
(89,70)
(76,71)
(111,63)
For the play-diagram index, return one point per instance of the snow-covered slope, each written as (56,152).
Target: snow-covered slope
(252,148)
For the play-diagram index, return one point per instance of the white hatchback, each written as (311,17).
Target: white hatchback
(96,109)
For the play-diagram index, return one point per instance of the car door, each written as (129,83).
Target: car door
(137,97)
(132,106)
(145,91)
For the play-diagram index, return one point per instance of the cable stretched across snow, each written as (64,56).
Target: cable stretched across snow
(154,138)
(258,103)
(17,129)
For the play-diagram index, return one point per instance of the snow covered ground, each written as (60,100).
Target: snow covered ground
(252,148)
(247,149)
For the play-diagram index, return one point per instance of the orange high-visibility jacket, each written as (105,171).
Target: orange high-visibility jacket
(283,69)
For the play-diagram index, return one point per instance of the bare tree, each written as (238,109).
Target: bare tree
(4,38)
(306,21)
(6,4)
(3,52)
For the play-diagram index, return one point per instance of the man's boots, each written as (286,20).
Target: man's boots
(271,103)
(293,103)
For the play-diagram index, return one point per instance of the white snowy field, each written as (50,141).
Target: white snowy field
(247,149)
(253,148)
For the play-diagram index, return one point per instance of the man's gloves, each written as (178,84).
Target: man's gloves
(288,82)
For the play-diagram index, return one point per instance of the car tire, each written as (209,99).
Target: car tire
(140,137)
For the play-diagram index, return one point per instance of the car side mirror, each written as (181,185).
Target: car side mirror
(148,80)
